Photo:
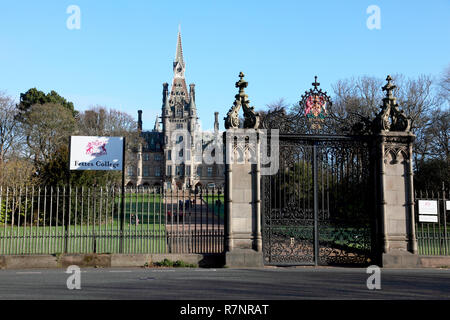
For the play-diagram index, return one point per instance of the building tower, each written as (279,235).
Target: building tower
(179,119)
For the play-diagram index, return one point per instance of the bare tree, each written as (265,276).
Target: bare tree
(9,128)
(359,96)
(444,87)
(99,120)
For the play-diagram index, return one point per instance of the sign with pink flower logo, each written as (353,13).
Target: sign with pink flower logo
(96,153)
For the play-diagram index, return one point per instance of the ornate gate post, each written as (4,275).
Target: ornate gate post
(243,243)
(394,179)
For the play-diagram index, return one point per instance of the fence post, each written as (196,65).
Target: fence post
(444,207)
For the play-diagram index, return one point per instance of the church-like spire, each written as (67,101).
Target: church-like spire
(179,52)
(179,90)
(178,64)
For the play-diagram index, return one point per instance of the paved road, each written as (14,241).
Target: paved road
(198,284)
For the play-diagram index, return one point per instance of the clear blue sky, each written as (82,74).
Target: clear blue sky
(124,50)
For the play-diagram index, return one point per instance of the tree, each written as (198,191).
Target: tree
(46,128)
(100,121)
(9,127)
(34,96)
(444,87)
(17,172)
(360,96)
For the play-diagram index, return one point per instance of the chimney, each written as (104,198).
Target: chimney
(216,122)
(140,120)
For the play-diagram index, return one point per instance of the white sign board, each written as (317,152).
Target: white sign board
(428,207)
(448,205)
(96,153)
(428,218)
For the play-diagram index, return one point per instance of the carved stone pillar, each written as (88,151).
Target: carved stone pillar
(243,242)
(396,199)
(394,177)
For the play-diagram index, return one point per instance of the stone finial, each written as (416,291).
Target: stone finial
(391,118)
(251,118)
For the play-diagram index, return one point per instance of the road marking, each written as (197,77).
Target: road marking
(120,271)
(28,272)
(205,270)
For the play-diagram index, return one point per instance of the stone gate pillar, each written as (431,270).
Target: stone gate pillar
(395,228)
(243,243)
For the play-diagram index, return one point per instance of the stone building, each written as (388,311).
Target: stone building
(172,154)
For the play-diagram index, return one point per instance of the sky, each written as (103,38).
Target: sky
(124,50)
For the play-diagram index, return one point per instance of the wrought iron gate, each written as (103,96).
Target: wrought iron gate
(318,208)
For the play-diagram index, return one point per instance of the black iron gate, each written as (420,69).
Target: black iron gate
(318,208)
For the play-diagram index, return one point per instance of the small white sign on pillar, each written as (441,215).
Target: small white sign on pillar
(447,205)
(96,153)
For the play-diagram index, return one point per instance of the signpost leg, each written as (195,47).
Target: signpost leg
(122,202)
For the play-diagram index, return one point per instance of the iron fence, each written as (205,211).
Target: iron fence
(432,233)
(52,220)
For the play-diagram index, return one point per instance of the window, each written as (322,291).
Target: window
(188,170)
(157,172)
(179,126)
(199,171)
(179,170)
(169,170)
(131,171)
(169,154)
(157,157)
(145,156)
(145,171)
(138,172)
(210,171)
(188,154)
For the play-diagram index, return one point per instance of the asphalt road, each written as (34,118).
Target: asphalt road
(225,284)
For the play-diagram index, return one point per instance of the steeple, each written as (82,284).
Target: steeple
(178,64)
(179,94)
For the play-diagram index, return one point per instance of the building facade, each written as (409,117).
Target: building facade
(176,153)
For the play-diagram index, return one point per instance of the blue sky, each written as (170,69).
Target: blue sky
(124,50)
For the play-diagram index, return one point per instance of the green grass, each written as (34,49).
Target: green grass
(50,240)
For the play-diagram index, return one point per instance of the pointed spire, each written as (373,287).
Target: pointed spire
(179,53)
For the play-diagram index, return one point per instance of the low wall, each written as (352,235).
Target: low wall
(105,260)
(140,260)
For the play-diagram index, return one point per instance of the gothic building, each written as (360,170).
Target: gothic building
(172,154)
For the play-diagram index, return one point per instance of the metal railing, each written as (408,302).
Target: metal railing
(52,220)
(432,232)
